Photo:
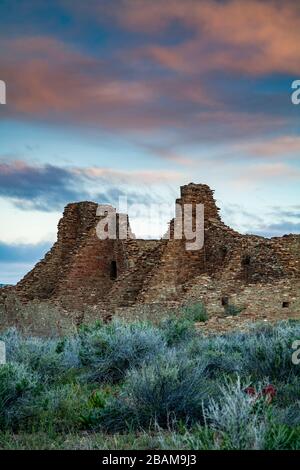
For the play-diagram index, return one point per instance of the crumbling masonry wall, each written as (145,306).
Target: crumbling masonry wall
(81,270)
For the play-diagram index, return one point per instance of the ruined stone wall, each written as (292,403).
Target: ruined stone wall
(277,297)
(81,270)
(177,264)
(46,277)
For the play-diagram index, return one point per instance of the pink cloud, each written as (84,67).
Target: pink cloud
(127,177)
(276,147)
(267,172)
(51,80)
(47,75)
(255,37)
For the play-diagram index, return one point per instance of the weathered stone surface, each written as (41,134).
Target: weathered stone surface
(261,275)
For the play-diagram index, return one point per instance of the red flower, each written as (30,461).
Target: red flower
(269,392)
(250,391)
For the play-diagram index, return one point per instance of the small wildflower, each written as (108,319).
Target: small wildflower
(250,391)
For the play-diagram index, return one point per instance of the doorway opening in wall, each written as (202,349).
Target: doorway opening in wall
(225,301)
(246,260)
(113,270)
(224,252)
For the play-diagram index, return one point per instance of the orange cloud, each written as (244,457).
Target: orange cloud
(51,80)
(255,37)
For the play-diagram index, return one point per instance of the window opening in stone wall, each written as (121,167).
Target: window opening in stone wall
(113,270)
(224,251)
(247,260)
(285,304)
(225,301)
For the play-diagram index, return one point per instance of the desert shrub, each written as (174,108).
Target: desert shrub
(288,392)
(42,355)
(88,328)
(279,436)
(12,339)
(16,382)
(195,312)
(116,416)
(269,356)
(97,402)
(289,416)
(229,343)
(232,310)
(197,438)
(68,350)
(263,352)
(169,381)
(237,417)
(162,393)
(219,355)
(219,364)
(55,409)
(176,330)
(113,349)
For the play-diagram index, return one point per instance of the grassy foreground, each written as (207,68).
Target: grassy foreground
(144,386)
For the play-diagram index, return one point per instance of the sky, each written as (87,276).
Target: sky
(134,98)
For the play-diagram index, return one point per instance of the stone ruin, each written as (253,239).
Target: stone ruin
(83,271)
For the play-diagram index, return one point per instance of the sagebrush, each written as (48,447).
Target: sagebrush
(165,382)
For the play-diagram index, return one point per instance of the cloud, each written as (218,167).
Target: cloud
(292,212)
(267,172)
(48,187)
(44,188)
(11,273)
(125,177)
(54,80)
(23,253)
(56,76)
(257,37)
(51,79)
(17,259)
(279,229)
(168,72)
(276,147)
(269,222)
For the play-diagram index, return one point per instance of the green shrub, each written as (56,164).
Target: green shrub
(288,392)
(50,358)
(177,330)
(219,364)
(97,401)
(16,382)
(281,437)
(232,310)
(163,393)
(113,349)
(196,438)
(169,381)
(237,417)
(56,409)
(270,357)
(290,415)
(196,312)
(116,416)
